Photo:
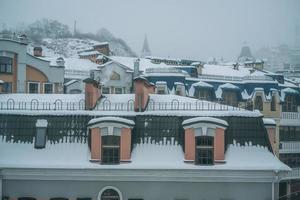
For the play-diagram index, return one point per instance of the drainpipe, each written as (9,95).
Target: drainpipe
(1,186)
(273,185)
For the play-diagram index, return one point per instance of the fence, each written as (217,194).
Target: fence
(107,105)
(290,115)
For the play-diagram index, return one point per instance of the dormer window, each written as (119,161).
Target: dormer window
(110,139)
(204,140)
(161,87)
(258,103)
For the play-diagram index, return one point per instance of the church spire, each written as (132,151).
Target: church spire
(146,50)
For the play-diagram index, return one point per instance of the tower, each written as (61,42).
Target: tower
(146,50)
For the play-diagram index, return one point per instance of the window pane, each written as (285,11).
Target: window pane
(118,90)
(33,88)
(117,131)
(7,87)
(48,88)
(105,90)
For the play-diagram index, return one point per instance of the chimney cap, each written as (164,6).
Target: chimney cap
(92,81)
(37,48)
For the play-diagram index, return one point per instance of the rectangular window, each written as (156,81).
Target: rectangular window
(5,65)
(105,90)
(118,91)
(7,87)
(33,87)
(204,150)
(110,150)
(48,88)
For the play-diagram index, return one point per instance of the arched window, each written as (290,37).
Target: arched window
(289,104)
(273,103)
(114,76)
(258,103)
(110,148)
(110,194)
(204,150)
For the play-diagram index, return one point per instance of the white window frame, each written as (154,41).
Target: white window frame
(119,88)
(39,87)
(48,84)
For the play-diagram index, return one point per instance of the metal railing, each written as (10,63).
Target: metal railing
(35,104)
(290,115)
(107,105)
(294,174)
(236,78)
(289,147)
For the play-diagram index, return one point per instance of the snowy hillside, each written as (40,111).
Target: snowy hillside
(69,47)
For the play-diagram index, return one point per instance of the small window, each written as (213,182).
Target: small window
(7,87)
(230,98)
(5,65)
(48,88)
(273,103)
(118,90)
(204,150)
(258,103)
(110,149)
(289,104)
(33,87)
(110,194)
(105,90)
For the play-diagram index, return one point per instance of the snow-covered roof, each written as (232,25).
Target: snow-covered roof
(202,84)
(144,63)
(227,70)
(205,119)
(288,91)
(162,155)
(1,82)
(229,86)
(111,119)
(269,121)
(89,53)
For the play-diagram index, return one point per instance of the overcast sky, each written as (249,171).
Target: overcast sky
(178,28)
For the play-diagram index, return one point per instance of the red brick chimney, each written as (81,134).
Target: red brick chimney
(37,51)
(92,93)
(142,90)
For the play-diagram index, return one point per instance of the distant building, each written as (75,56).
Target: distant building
(245,54)
(23,72)
(145,50)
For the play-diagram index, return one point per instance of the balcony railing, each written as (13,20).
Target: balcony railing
(289,147)
(236,78)
(294,174)
(290,115)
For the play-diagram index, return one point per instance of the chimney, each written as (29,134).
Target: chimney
(142,90)
(60,62)
(38,51)
(1,86)
(270,126)
(136,65)
(92,93)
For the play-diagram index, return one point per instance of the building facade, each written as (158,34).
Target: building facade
(22,72)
